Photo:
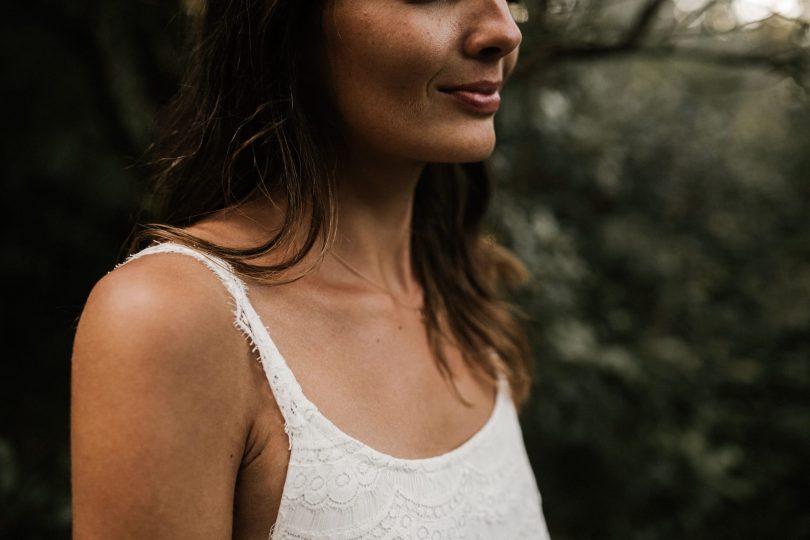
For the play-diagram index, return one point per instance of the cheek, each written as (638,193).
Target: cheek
(382,66)
(509,63)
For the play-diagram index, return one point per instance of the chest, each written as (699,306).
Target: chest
(369,367)
(374,376)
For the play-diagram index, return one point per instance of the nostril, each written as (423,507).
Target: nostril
(494,36)
(490,51)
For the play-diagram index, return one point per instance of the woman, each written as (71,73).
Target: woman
(307,164)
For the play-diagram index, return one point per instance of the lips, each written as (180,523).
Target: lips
(480,97)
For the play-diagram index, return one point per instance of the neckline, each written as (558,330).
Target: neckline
(290,396)
(382,457)
(283,375)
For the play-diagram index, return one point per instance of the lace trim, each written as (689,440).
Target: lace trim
(343,443)
(489,494)
(339,488)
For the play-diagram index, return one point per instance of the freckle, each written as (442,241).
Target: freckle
(400,327)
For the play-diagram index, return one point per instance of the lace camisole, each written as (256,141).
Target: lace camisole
(339,488)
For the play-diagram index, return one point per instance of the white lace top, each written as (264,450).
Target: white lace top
(338,488)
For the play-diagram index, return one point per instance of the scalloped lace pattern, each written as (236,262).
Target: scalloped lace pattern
(338,488)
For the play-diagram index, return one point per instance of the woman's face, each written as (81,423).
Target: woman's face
(419,79)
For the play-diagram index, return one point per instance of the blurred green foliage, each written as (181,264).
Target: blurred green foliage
(654,174)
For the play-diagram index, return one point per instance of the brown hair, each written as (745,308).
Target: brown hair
(247,121)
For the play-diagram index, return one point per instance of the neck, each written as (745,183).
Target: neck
(375,200)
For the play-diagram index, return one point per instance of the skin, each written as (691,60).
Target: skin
(175,432)
(389,60)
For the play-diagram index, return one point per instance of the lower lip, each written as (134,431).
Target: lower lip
(477,102)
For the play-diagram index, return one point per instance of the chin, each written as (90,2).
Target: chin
(468,150)
(467,156)
(464,145)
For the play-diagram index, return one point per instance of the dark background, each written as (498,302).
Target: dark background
(654,174)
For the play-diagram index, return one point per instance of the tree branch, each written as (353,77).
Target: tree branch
(644,21)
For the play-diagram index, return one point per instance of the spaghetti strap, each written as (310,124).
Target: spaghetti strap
(286,390)
(339,488)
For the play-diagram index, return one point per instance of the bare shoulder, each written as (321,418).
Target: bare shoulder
(164,303)
(158,415)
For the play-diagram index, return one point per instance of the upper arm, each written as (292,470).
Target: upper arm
(157,422)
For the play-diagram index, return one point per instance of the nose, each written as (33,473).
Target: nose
(494,33)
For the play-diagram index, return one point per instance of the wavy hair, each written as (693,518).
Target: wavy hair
(249,121)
